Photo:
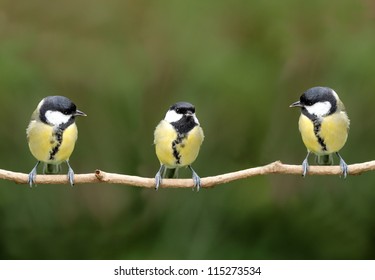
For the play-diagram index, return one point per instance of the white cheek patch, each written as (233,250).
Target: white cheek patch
(172,116)
(56,118)
(319,109)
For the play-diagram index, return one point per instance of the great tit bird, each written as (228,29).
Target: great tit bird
(52,134)
(177,140)
(324,125)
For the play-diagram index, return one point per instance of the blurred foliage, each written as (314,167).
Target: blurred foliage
(241,63)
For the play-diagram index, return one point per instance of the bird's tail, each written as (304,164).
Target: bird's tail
(170,173)
(324,160)
(51,168)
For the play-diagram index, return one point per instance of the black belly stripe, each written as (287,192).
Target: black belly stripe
(58,135)
(176,142)
(317,127)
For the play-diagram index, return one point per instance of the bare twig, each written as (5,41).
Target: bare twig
(111,178)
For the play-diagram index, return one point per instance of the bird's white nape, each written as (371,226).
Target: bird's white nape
(172,116)
(319,109)
(196,119)
(335,94)
(56,117)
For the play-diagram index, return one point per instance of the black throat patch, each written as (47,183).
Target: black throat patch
(185,124)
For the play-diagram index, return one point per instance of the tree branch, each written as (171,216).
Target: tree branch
(111,178)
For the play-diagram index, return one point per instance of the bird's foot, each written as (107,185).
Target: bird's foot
(196,179)
(343,166)
(32,175)
(70,174)
(305,167)
(158,177)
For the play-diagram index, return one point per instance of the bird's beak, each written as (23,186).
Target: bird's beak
(296,104)
(189,113)
(79,113)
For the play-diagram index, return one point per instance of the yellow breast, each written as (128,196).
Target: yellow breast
(42,141)
(333,131)
(187,150)
(306,127)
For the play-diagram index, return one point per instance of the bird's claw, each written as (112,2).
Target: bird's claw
(158,177)
(32,175)
(70,174)
(196,179)
(343,166)
(305,167)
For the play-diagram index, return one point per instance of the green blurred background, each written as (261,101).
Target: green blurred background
(242,63)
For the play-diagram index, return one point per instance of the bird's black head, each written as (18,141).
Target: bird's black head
(318,94)
(58,103)
(183,108)
(57,110)
(318,101)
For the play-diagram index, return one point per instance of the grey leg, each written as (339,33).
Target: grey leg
(343,165)
(305,165)
(158,176)
(70,174)
(32,175)
(196,179)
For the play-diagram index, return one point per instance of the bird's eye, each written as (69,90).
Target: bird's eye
(178,110)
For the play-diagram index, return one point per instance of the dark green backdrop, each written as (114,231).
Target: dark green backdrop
(241,63)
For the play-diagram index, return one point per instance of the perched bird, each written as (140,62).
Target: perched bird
(177,141)
(324,125)
(52,134)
